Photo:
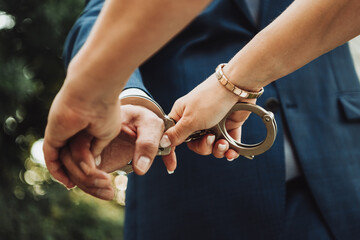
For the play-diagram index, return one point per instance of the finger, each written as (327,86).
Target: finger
(97,179)
(98,145)
(178,133)
(202,146)
(236,135)
(170,161)
(59,129)
(105,131)
(237,119)
(80,152)
(55,166)
(104,193)
(231,155)
(150,129)
(220,147)
(182,128)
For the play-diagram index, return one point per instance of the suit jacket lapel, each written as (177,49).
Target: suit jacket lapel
(245,10)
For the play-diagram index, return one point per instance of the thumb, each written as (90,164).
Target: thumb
(98,145)
(146,147)
(105,132)
(178,133)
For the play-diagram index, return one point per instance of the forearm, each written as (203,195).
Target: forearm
(303,32)
(125,35)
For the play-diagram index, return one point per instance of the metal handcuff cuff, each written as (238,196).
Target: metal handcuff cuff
(219,130)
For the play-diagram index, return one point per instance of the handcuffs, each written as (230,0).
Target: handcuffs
(219,130)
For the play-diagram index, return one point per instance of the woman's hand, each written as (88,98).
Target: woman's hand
(202,108)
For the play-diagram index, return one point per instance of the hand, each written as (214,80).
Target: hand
(202,108)
(140,136)
(71,113)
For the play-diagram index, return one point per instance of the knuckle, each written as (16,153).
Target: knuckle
(176,134)
(158,121)
(148,145)
(179,101)
(187,122)
(66,119)
(154,121)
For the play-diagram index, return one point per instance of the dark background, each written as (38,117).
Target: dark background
(32,205)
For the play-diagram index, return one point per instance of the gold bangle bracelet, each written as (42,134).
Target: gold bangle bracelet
(232,88)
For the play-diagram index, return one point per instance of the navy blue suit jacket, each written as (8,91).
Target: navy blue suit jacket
(208,198)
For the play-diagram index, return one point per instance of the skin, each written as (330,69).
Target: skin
(88,100)
(269,56)
(141,129)
(303,32)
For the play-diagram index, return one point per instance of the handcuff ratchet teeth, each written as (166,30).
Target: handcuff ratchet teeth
(219,130)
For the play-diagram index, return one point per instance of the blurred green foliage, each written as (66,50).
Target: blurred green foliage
(32,205)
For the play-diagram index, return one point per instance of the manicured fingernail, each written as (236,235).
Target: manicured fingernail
(210,139)
(170,172)
(222,147)
(230,159)
(105,193)
(143,164)
(85,168)
(98,160)
(165,141)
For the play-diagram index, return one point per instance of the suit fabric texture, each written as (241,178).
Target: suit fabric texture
(209,198)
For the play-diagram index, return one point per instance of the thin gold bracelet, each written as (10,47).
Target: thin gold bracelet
(232,88)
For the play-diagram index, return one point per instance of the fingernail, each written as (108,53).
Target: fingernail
(210,139)
(143,164)
(230,159)
(169,172)
(222,147)
(98,160)
(70,188)
(85,168)
(165,141)
(105,194)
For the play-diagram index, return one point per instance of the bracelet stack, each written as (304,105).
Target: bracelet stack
(232,87)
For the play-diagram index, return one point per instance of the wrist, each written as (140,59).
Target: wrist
(229,99)
(88,83)
(89,97)
(241,78)
(231,87)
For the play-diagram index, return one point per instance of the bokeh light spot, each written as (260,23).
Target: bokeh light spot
(19,192)
(10,125)
(37,154)
(6,21)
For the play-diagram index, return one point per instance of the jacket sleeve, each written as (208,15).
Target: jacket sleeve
(80,32)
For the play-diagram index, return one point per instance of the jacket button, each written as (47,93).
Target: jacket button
(272,104)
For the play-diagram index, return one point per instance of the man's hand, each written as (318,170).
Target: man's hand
(70,114)
(138,141)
